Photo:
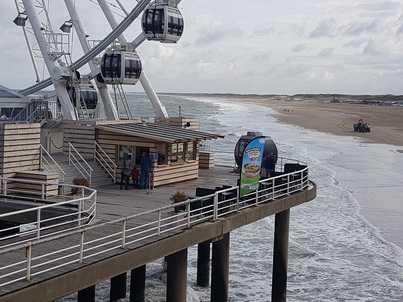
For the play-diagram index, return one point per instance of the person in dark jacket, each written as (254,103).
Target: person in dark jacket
(270,165)
(145,170)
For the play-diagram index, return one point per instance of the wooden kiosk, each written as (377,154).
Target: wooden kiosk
(174,151)
(172,144)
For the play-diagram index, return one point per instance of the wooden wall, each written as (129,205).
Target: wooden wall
(163,175)
(19,148)
(81,134)
(206,160)
(35,190)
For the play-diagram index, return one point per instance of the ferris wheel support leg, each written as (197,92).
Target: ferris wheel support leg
(55,71)
(159,109)
(110,110)
(109,107)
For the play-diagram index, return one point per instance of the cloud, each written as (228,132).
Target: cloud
(372,48)
(357,28)
(356,43)
(381,6)
(326,28)
(218,32)
(327,52)
(249,46)
(300,47)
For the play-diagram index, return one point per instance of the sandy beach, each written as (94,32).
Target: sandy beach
(386,122)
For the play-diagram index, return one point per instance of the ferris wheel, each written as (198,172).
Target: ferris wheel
(113,61)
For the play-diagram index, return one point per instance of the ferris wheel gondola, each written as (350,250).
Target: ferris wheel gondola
(83,93)
(162,22)
(120,67)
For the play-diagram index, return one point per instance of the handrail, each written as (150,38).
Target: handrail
(128,231)
(105,161)
(47,165)
(27,114)
(75,161)
(54,214)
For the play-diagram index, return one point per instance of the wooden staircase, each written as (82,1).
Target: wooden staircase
(99,177)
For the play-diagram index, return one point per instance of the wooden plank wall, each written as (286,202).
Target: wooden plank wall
(109,142)
(81,135)
(194,123)
(173,173)
(164,175)
(206,160)
(34,190)
(19,148)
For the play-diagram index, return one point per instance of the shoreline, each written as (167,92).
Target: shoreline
(338,118)
(386,123)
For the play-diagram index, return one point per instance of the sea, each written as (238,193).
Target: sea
(345,245)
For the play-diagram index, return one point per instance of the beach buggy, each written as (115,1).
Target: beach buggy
(361,127)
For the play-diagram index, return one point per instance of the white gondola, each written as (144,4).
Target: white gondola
(162,22)
(120,67)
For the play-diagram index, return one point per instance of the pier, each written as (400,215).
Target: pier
(135,227)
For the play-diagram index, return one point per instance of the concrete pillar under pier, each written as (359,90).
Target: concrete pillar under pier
(220,269)
(86,294)
(177,276)
(118,287)
(203,264)
(280,256)
(138,284)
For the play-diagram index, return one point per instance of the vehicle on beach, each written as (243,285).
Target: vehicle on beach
(364,127)
(361,127)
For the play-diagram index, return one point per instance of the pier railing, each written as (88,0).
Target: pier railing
(92,241)
(42,214)
(80,163)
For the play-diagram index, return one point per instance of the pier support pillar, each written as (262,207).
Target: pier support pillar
(86,294)
(280,256)
(138,284)
(118,287)
(220,270)
(203,264)
(177,276)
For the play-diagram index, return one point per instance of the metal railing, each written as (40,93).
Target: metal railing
(105,161)
(34,111)
(47,165)
(95,240)
(80,163)
(44,212)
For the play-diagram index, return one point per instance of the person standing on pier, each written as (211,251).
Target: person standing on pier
(270,165)
(135,177)
(145,170)
(126,171)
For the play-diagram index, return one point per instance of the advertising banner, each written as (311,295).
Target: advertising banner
(251,164)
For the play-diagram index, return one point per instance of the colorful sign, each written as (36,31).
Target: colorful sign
(251,164)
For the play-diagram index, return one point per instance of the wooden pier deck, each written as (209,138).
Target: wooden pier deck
(113,204)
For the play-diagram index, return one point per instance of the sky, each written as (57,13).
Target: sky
(247,47)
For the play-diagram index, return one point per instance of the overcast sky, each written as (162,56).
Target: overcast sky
(249,46)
